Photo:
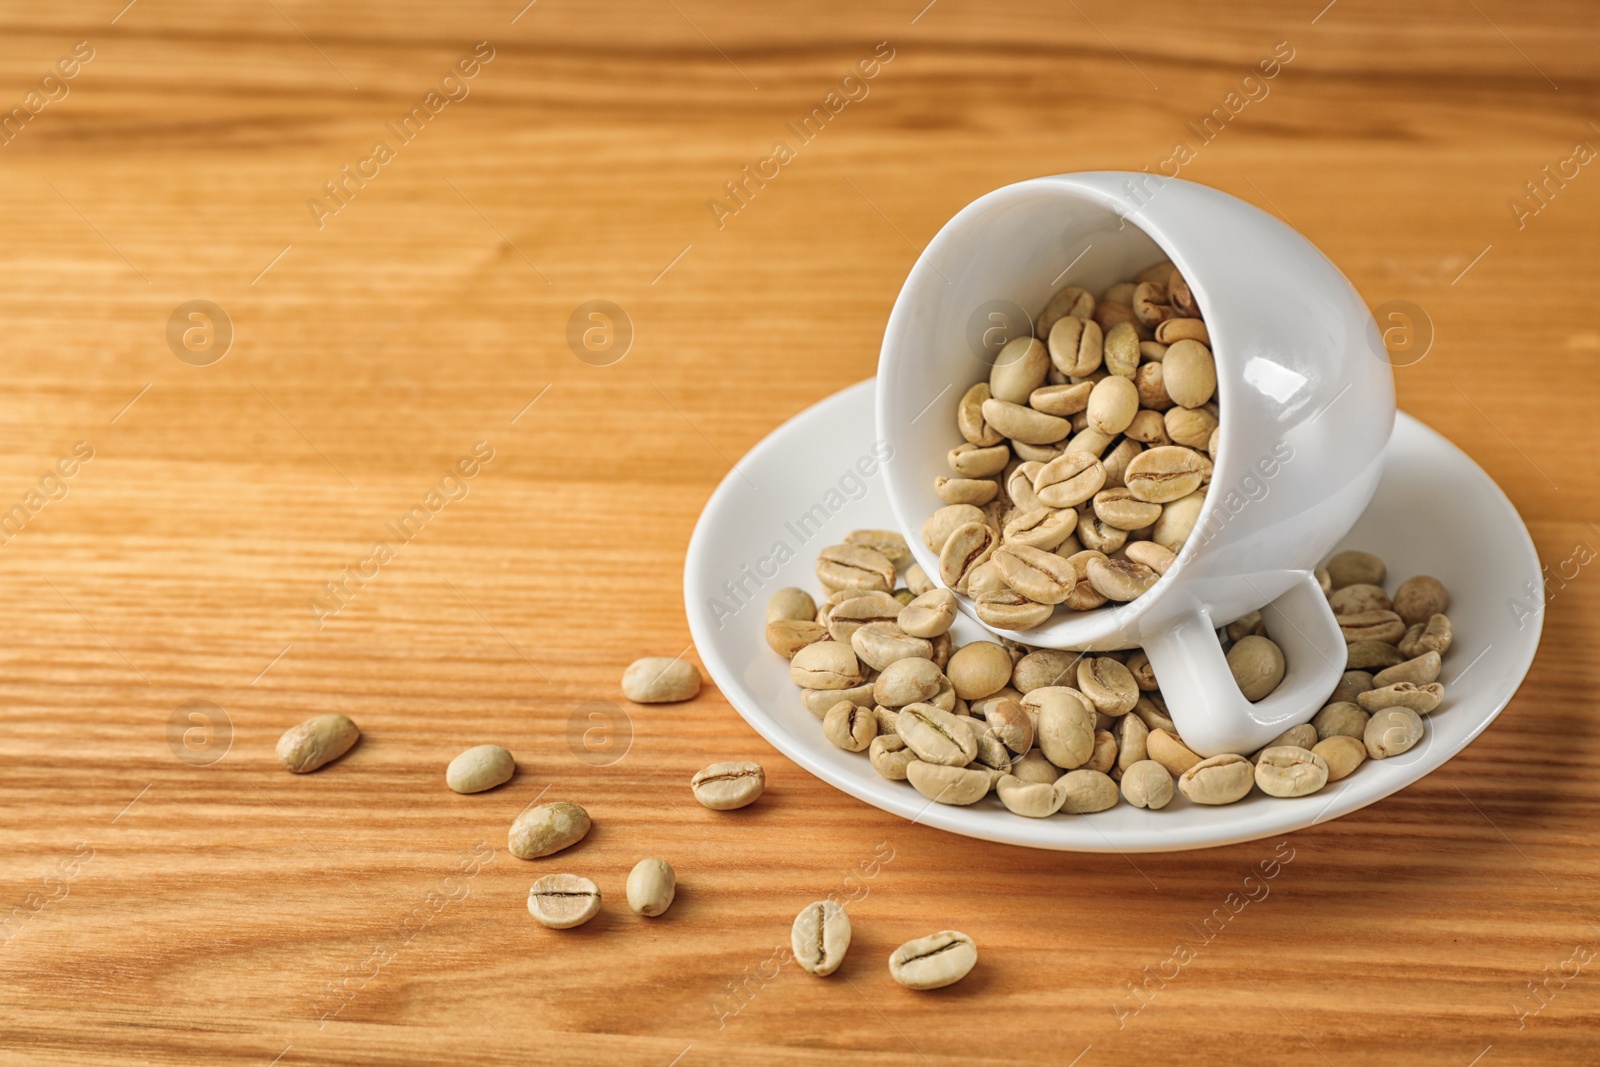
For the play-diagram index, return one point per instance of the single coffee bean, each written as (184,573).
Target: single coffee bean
(1107,685)
(1150,305)
(788,636)
(1047,666)
(979,669)
(1190,373)
(821,701)
(660,680)
(1418,671)
(1076,345)
(908,681)
(1144,675)
(1153,713)
(1257,666)
(854,612)
(1089,440)
(854,567)
(889,756)
(820,937)
(1419,599)
(946,521)
(478,768)
(1131,736)
(652,885)
(1172,331)
(1287,771)
(1351,685)
(850,726)
(948,785)
(1033,767)
(547,828)
(1096,535)
(1171,753)
(1043,528)
(316,742)
(1084,792)
(825,665)
(562,901)
(930,614)
(1120,579)
(977,491)
(1392,731)
(1011,724)
(1367,654)
(1419,698)
(970,421)
(1104,756)
(1042,577)
(968,546)
(1220,779)
(791,603)
(1356,568)
(1358,598)
(1303,736)
(1342,753)
(1019,368)
(1069,480)
(1372,626)
(935,961)
(1113,404)
(985,579)
(992,752)
(1147,427)
(1177,522)
(1025,424)
(1183,301)
(917,580)
(1243,627)
(1065,725)
(1122,349)
(1191,428)
(937,736)
(878,644)
(1433,636)
(1036,800)
(887,543)
(1120,508)
(970,461)
(1342,718)
(1152,555)
(1061,400)
(1147,784)
(1069,300)
(1164,474)
(728,786)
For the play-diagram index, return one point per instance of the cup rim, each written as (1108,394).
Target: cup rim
(1100,626)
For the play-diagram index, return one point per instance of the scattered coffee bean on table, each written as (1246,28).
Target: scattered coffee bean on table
(562,901)
(652,886)
(934,961)
(548,828)
(660,680)
(478,768)
(727,786)
(316,743)
(820,937)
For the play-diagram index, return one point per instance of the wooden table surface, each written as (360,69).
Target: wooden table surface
(177,898)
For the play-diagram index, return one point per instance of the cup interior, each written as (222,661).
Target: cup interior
(982,281)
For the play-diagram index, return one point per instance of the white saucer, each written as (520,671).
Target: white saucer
(817,477)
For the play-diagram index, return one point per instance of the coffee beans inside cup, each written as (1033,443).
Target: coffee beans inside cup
(1086,455)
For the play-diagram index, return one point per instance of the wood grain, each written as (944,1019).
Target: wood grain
(181,913)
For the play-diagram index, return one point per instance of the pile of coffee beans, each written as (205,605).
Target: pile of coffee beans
(1051,731)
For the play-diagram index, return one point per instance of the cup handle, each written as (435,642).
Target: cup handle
(1203,700)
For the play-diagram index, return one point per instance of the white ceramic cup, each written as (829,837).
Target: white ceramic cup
(1304,387)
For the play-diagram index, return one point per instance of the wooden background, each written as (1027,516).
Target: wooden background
(160,909)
